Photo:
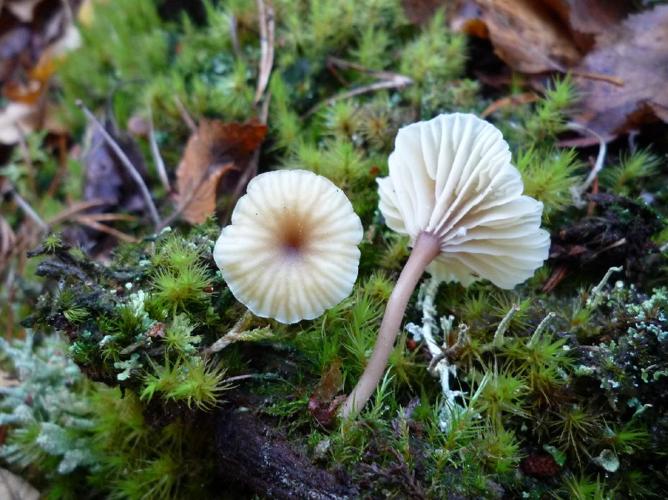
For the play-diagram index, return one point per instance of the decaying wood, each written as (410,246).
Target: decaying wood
(252,454)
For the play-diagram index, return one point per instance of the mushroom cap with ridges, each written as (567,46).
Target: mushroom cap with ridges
(291,251)
(452,176)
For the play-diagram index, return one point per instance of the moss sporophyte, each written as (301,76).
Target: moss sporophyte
(291,250)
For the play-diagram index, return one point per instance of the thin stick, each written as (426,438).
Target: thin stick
(251,169)
(155,152)
(185,116)
(614,80)
(75,209)
(234,35)
(125,161)
(245,178)
(266,15)
(28,210)
(427,247)
(578,191)
(103,228)
(397,82)
(380,75)
(107,217)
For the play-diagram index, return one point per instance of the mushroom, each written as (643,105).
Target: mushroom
(291,250)
(453,190)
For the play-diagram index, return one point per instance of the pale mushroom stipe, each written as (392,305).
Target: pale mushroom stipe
(291,251)
(453,190)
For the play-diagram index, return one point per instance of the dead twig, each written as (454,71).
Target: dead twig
(25,206)
(75,209)
(103,228)
(155,152)
(248,174)
(234,35)
(251,169)
(393,81)
(614,80)
(344,63)
(125,161)
(266,15)
(107,217)
(185,116)
(578,191)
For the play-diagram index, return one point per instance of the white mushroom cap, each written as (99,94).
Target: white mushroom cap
(291,250)
(452,176)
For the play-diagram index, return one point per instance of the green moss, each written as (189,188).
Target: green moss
(549,177)
(589,380)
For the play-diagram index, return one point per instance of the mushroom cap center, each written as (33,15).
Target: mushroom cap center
(294,232)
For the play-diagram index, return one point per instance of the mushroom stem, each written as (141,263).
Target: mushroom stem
(425,250)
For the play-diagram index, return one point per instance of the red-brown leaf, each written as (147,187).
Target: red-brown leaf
(636,52)
(216,149)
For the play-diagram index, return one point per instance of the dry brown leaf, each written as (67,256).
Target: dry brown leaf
(527,34)
(213,151)
(106,178)
(589,17)
(512,100)
(29,57)
(636,51)
(324,403)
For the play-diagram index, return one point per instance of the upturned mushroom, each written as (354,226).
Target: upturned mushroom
(291,251)
(453,190)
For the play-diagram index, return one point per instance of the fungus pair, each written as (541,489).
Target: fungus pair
(291,251)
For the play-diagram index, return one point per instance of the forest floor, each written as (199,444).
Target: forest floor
(130,129)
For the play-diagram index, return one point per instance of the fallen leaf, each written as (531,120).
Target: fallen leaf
(324,402)
(108,188)
(636,51)
(15,48)
(526,34)
(28,59)
(13,486)
(30,91)
(211,152)
(589,17)
(512,100)
(106,178)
